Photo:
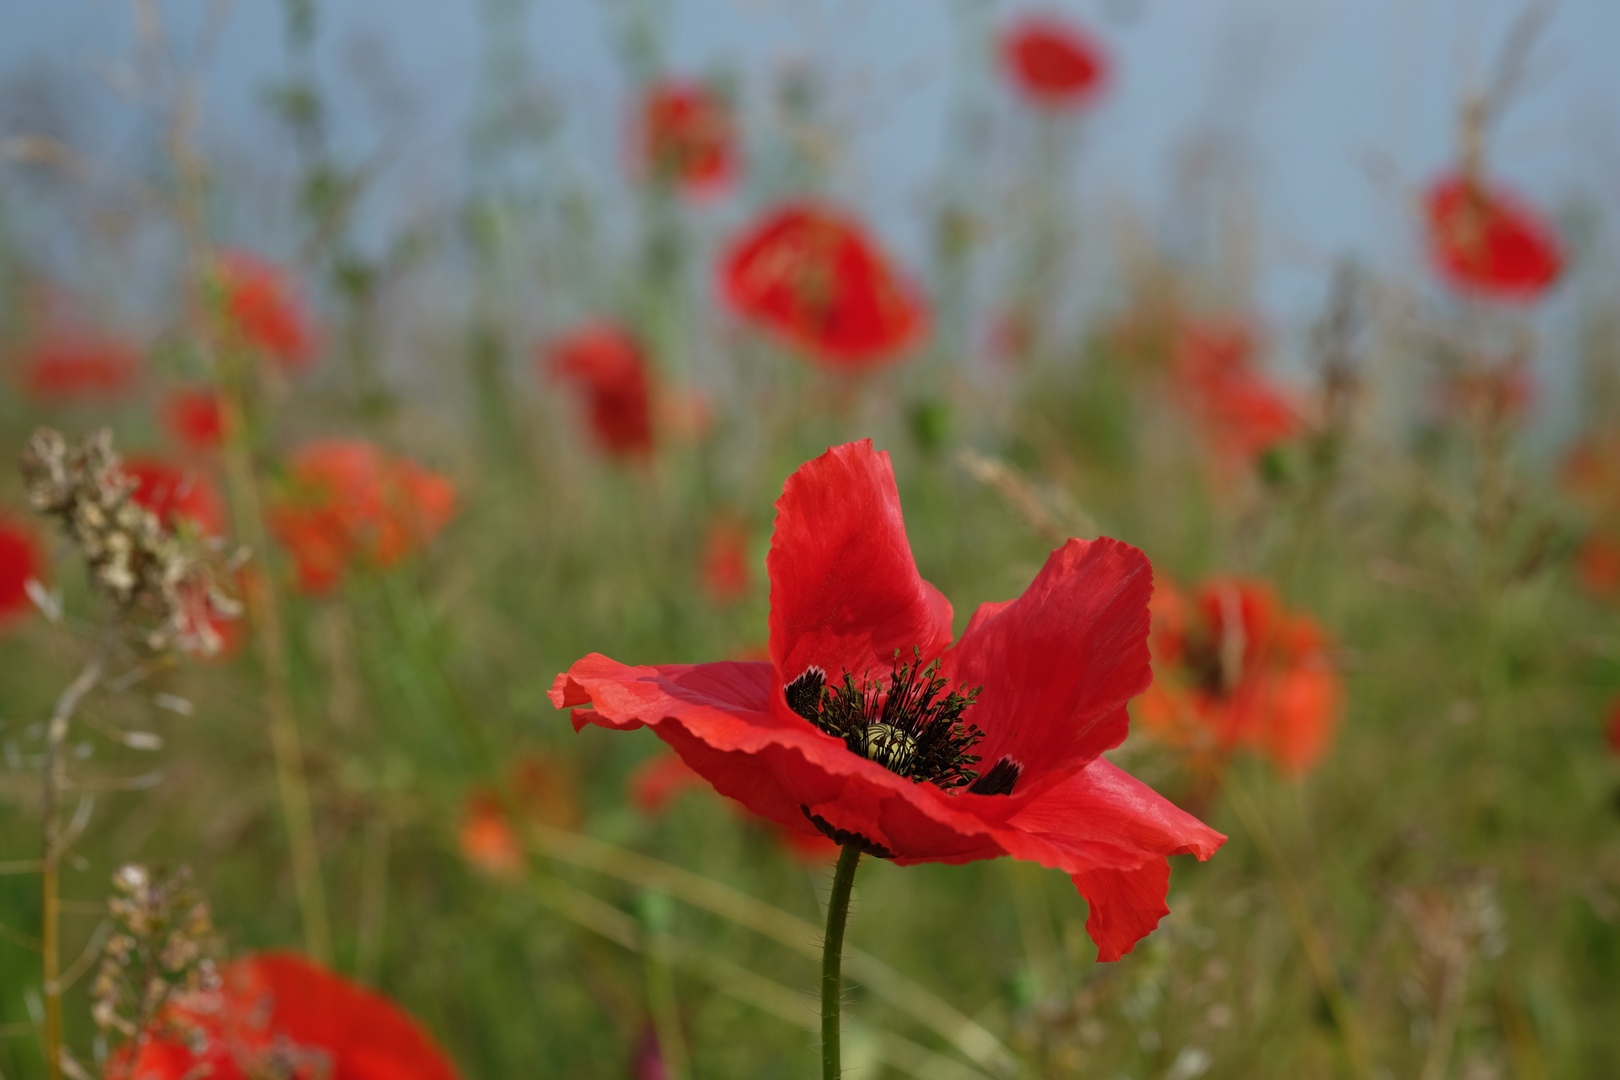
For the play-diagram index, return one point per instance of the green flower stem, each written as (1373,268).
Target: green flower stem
(832,955)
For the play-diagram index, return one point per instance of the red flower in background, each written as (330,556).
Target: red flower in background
(1054,63)
(194,417)
(607,362)
(1591,475)
(276,1014)
(812,276)
(726,575)
(1236,670)
(67,364)
(1241,414)
(20,559)
(347,502)
(261,305)
(868,726)
(542,790)
(1613,731)
(177,494)
(1487,241)
(687,137)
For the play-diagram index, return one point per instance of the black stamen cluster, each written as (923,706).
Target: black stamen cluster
(910,727)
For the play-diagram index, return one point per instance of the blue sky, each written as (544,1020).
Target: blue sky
(1340,108)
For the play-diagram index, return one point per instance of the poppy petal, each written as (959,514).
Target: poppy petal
(845,591)
(1125,905)
(1062,659)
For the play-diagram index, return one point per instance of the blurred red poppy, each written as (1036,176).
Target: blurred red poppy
(346,502)
(64,365)
(869,727)
(1241,414)
(607,362)
(279,1015)
(657,781)
(686,136)
(20,560)
(1613,731)
(726,575)
(1487,241)
(175,493)
(812,276)
(261,306)
(1053,63)
(542,789)
(1233,669)
(194,418)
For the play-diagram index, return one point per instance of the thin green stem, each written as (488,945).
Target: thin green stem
(832,956)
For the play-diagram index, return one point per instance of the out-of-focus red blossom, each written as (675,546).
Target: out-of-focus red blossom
(542,790)
(277,1014)
(1012,768)
(194,417)
(20,559)
(1234,670)
(726,575)
(64,365)
(655,783)
(1591,475)
(262,306)
(607,363)
(811,275)
(1613,729)
(1241,414)
(1598,564)
(687,136)
(1489,242)
(1054,63)
(346,502)
(175,493)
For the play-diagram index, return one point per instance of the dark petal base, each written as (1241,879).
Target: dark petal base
(845,838)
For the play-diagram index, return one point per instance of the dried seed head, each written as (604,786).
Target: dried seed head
(165,946)
(166,582)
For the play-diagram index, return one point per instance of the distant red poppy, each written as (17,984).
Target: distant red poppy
(1613,731)
(607,362)
(1598,564)
(812,276)
(686,136)
(20,559)
(657,781)
(175,492)
(1487,241)
(1242,415)
(1233,669)
(542,790)
(64,365)
(261,305)
(345,502)
(194,418)
(277,1014)
(1053,63)
(726,575)
(869,727)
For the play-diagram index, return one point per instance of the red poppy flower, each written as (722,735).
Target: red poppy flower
(175,493)
(20,560)
(1053,63)
(348,502)
(65,365)
(607,362)
(276,1014)
(542,790)
(870,727)
(1241,414)
(657,781)
(486,836)
(811,275)
(261,305)
(1598,564)
(194,417)
(1236,670)
(1613,731)
(726,575)
(687,137)
(1487,241)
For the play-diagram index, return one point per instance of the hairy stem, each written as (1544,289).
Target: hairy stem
(55,778)
(832,956)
